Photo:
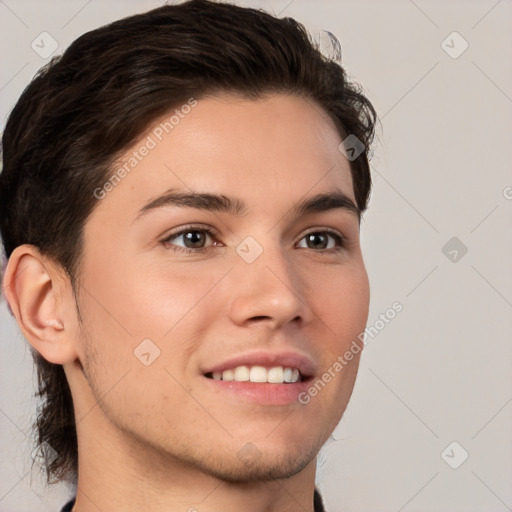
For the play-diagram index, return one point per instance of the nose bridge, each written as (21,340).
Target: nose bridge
(269,285)
(268,258)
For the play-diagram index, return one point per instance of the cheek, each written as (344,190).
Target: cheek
(342,303)
(176,302)
(343,309)
(146,300)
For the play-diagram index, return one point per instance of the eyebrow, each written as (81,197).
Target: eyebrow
(221,203)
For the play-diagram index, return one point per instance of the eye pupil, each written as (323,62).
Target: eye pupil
(194,237)
(314,237)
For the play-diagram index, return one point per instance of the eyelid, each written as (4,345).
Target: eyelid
(324,229)
(191,227)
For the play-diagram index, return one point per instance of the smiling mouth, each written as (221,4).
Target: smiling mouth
(261,374)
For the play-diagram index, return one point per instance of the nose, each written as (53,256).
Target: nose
(269,290)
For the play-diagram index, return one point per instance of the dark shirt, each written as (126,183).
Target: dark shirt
(68,506)
(317,500)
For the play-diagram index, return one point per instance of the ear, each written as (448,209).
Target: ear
(37,290)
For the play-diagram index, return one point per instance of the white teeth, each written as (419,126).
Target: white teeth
(274,375)
(258,374)
(228,375)
(241,373)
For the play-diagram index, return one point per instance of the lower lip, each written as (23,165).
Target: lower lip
(262,393)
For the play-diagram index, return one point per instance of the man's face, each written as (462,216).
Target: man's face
(272,287)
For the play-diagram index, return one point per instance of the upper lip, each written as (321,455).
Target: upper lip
(288,359)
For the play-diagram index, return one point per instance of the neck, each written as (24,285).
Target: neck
(119,472)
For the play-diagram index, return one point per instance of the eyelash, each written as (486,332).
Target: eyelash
(339,238)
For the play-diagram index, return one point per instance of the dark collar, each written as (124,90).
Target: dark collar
(318,504)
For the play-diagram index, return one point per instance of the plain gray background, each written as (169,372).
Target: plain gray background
(434,385)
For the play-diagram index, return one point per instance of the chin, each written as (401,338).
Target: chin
(260,470)
(253,465)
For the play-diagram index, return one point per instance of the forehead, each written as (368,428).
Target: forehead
(279,148)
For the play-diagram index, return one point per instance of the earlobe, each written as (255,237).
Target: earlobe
(34,288)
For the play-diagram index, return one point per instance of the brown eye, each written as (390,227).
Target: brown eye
(323,240)
(190,240)
(317,241)
(194,239)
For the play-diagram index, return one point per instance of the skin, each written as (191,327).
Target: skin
(158,437)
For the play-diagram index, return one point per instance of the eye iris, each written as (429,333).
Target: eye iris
(315,237)
(194,238)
